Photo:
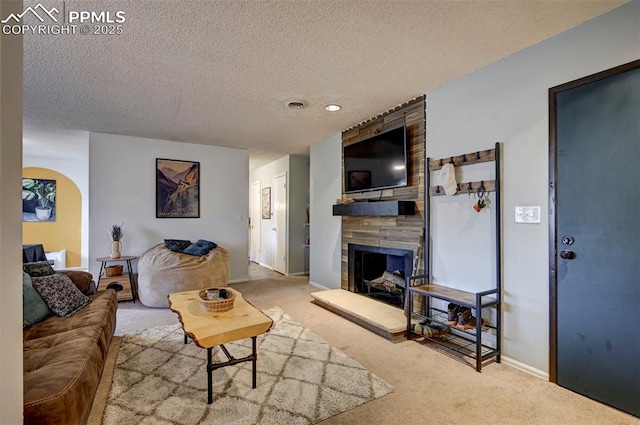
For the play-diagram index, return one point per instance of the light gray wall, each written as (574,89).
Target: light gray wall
(325,232)
(10,223)
(508,102)
(298,201)
(296,167)
(122,190)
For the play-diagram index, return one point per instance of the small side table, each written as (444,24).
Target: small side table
(127,279)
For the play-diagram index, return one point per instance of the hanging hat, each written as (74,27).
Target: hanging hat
(448,179)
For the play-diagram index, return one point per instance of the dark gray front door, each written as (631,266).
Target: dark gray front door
(597,240)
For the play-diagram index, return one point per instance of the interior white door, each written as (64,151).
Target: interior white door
(280,223)
(254,222)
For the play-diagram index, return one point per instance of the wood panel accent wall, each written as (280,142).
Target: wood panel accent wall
(406,232)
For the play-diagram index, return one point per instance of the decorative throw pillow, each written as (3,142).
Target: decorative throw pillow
(34,309)
(196,250)
(177,245)
(206,244)
(61,295)
(200,247)
(39,268)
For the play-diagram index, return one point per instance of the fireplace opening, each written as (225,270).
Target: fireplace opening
(379,273)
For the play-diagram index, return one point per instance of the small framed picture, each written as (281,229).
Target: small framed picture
(266,203)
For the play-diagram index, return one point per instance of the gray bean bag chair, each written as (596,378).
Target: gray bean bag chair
(162,272)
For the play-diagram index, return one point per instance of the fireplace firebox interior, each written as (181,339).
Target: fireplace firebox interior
(380,273)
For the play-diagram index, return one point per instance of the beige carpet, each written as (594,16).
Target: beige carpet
(301,380)
(429,387)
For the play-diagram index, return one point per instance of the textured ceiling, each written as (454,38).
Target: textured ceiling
(220,72)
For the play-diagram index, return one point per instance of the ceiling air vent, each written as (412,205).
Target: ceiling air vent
(296,104)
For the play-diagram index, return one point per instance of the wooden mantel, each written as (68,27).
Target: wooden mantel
(376,208)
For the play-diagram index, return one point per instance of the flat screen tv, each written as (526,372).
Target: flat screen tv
(379,162)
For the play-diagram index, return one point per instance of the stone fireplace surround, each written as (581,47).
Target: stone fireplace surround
(399,228)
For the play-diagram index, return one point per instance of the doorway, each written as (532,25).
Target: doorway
(280,223)
(594,231)
(254,222)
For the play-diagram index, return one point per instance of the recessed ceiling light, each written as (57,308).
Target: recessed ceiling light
(333,107)
(296,104)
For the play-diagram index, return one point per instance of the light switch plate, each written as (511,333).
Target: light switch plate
(528,214)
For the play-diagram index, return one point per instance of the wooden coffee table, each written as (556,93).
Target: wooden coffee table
(208,329)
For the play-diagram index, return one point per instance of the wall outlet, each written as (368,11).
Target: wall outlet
(528,214)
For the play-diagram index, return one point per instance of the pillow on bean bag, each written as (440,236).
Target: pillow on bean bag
(200,248)
(34,309)
(39,268)
(61,295)
(177,245)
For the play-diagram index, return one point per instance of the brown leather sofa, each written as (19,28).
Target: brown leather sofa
(64,358)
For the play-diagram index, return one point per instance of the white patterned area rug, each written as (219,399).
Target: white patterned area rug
(301,380)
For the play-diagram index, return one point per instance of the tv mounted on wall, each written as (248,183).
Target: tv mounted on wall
(379,162)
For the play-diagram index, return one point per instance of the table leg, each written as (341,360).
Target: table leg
(254,359)
(132,281)
(209,377)
(102,263)
(231,361)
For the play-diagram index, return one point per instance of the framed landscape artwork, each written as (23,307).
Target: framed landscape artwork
(38,200)
(266,203)
(177,188)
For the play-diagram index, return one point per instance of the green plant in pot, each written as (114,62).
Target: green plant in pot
(44,192)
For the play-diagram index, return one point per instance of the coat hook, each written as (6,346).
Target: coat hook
(457,187)
(481,189)
(451,160)
(464,158)
(437,189)
(477,156)
(441,162)
(470,187)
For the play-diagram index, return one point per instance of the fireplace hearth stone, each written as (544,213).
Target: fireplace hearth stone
(378,317)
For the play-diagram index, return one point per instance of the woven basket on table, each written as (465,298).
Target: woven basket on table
(217,305)
(110,271)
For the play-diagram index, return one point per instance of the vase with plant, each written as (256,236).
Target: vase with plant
(116,234)
(44,192)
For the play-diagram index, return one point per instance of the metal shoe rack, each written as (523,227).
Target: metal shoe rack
(472,342)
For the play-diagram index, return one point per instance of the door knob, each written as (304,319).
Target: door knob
(567,255)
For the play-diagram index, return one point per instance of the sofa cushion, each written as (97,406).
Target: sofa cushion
(63,362)
(83,280)
(38,269)
(200,247)
(34,309)
(61,295)
(177,245)
(102,307)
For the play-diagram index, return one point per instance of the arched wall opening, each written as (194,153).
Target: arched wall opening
(65,232)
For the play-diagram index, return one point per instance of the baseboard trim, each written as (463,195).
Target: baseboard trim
(297,274)
(317,285)
(524,367)
(232,281)
(265,266)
